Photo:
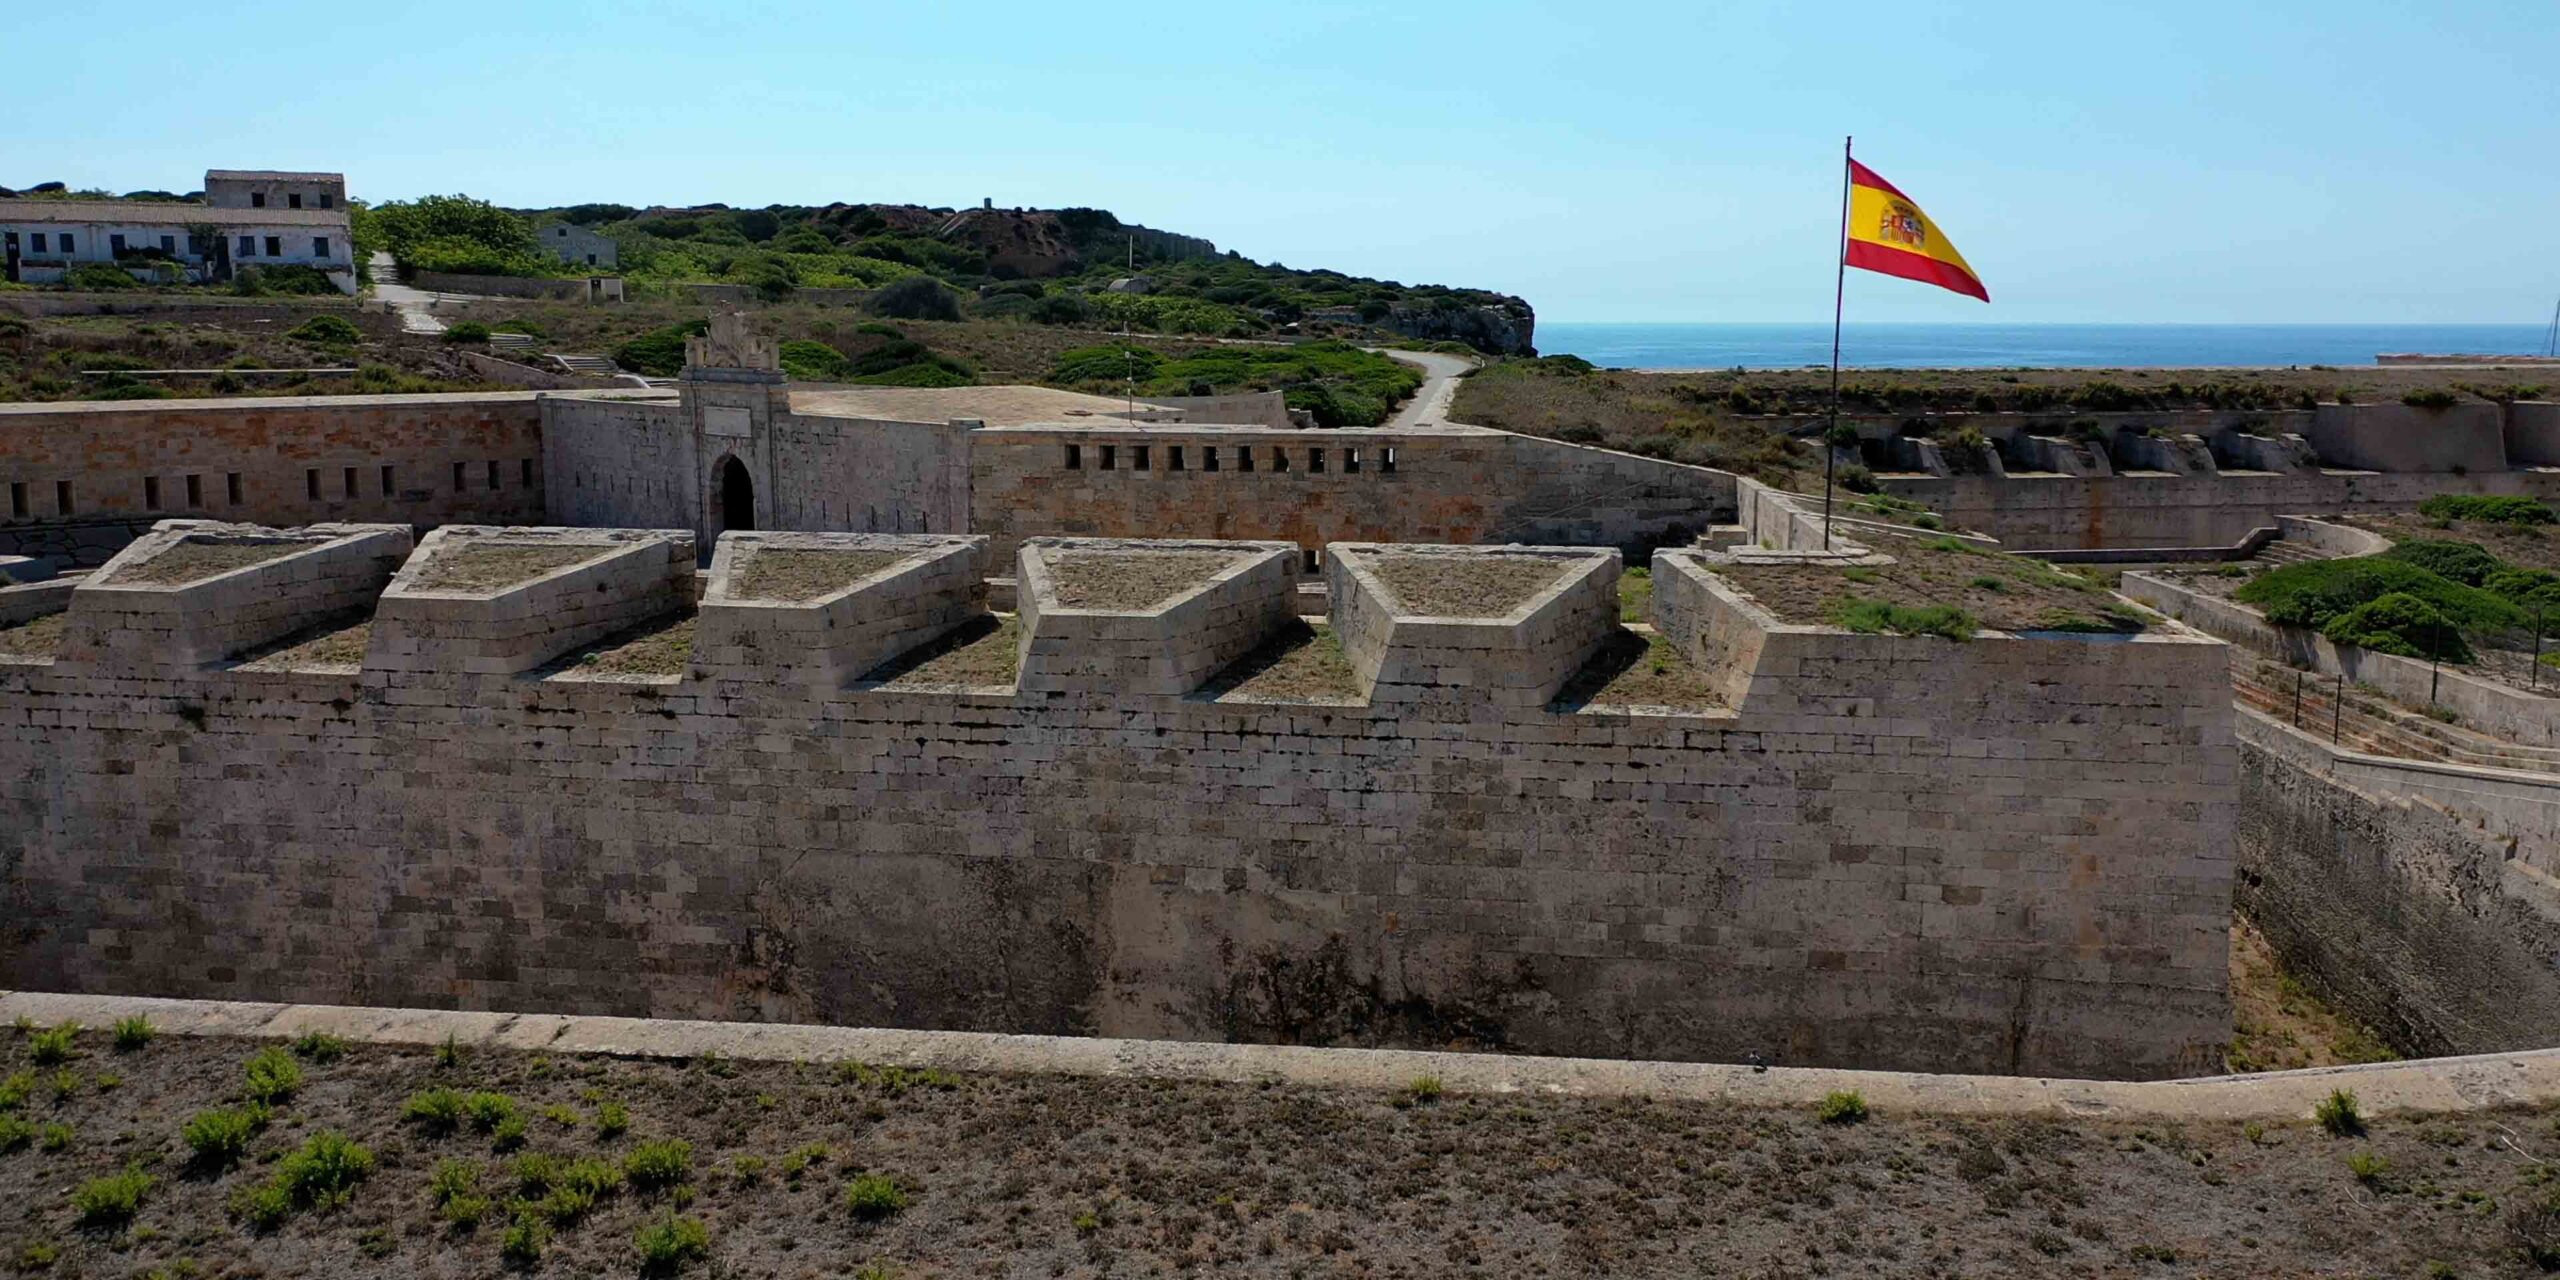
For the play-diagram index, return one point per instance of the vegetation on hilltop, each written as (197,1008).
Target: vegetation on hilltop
(1340,384)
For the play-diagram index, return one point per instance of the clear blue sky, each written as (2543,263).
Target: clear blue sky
(2167,161)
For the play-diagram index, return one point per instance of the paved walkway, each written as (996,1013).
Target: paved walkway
(2479,1082)
(416,306)
(1430,404)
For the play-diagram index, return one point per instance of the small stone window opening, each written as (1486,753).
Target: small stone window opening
(18,499)
(1208,457)
(1110,457)
(1075,457)
(1351,462)
(461,478)
(1173,457)
(1387,459)
(231,486)
(1315,461)
(62,497)
(1315,560)
(1244,457)
(311,483)
(195,493)
(524,472)
(275,246)
(1279,457)
(347,482)
(151,493)
(1137,457)
(493,475)
(385,477)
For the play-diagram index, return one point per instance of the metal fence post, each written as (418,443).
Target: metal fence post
(2297,697)
(2337,708)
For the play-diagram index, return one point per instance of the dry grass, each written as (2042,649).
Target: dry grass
(491,566)
(797,573)
(659,647)
(194,560)
(1468,586)
(336,645)
(1132,581)
(1303,663)
(2525,546)
(2004,593)
(37,637)
(981,653)
(1639,671)
(2277,1025)
(1047,1175)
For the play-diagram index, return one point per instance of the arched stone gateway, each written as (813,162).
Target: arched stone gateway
(737,495)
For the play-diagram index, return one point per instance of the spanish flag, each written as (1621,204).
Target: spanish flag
(1889,234)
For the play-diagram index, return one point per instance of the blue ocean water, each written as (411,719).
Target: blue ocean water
(1977,346)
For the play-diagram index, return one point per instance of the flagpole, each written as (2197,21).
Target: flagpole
(1839,294)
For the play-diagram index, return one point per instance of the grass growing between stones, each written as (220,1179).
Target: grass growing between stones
(1129,580)
(2004,593)
(1467,586)
(1639,671)
(659,647)
(482,566)
(336,645)
(1303,663)
(859,1172)
(797,573)
(194,561)
(981,653)
(38,637)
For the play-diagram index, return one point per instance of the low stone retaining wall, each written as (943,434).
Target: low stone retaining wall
(501,286)
(2479,1083)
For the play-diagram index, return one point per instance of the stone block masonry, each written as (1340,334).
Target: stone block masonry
(324,570)
(829,640)
(621,578)
(2010,858)
(1518,653)
(1168,647)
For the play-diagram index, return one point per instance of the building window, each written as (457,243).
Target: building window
(1173,457)
(524,472)
(195,493)
(231,483)
(347,482)
(248,246)
(1075,457)
(67,247)
(328,200)
(1110,456)
(151,493)
(293,201)
(18,498)
(257,199)
(1351,462)
(460,478)
(1387,459)
(62,497)
(1244,457)
(493,475)
(115,243)
(275,246)
(591,259)
(1315,460)
(1208,457)
(386,480)
(195,245)
(320,246)
(311,483)
(1137,457)
(168,244)
(1279,457)
(1314,560)
(38,239)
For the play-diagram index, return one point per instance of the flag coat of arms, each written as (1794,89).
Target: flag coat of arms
(1889,234)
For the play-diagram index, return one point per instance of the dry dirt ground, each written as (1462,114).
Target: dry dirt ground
(1131,580)
(790,573)
(1303,663)
(336,645)
(1487,586)
(39,637)
(2277,1025)
(2001,592)
(42,358)
(984,652)
(488,567)
(1639,670)
(1061,1177)
(191,561)
(659,647)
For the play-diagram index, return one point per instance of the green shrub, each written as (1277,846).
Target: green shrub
(439,1109)
(321,1174)
(2338,1114)
(665,1246)
(1110,362)
(98,275)
(14,1132)
(874,1196)
(54,1045)
(327,331)
(16,1088)
(273,1075)
(2468,563)
(55,1137)
(1841,1108)
(659,352)
(2431,398)
(523,1241)
(111,1201)
(319,1047)
(654,1166)
(2367,1166)
(466,331)
(1425,1089)
(2399,623)
(2312,593)
(2493,509)
(612,1119)
(814,361)
(220,1136)
(915,298)
(487,1111)
(1875,616)
(133,1033)
(453,1178)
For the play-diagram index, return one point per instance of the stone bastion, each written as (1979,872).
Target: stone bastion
(322,766)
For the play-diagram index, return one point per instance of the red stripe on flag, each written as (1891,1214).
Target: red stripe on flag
(1914,266)
(1866,177)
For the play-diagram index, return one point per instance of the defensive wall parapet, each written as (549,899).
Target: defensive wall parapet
(1516,648)
(172,600)
(886,594)
(1220,601)
(2001,856)
(489,602)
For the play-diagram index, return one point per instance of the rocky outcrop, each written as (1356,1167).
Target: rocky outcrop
(1504,328)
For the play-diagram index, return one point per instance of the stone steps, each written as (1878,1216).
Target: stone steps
(2380,730)
(596,366)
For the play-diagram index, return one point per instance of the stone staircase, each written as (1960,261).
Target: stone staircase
(592,366)
(2283,552)
(2373,725)
(511,342)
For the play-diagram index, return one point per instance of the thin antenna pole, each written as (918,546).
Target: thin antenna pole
(2551,337)
(1839,294)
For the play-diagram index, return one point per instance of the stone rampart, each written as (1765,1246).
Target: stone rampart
(116,624)
(1517,653)
(2048,512)
(2468,437)
(2533,434)
(2003,856)
(1168,647)
(504,625)
(829,640)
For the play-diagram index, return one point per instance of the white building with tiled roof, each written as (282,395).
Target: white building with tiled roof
(249,218)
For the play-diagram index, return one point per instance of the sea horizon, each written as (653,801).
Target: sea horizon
(1694,345)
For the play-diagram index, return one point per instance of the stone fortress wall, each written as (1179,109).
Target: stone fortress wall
(2005,856)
